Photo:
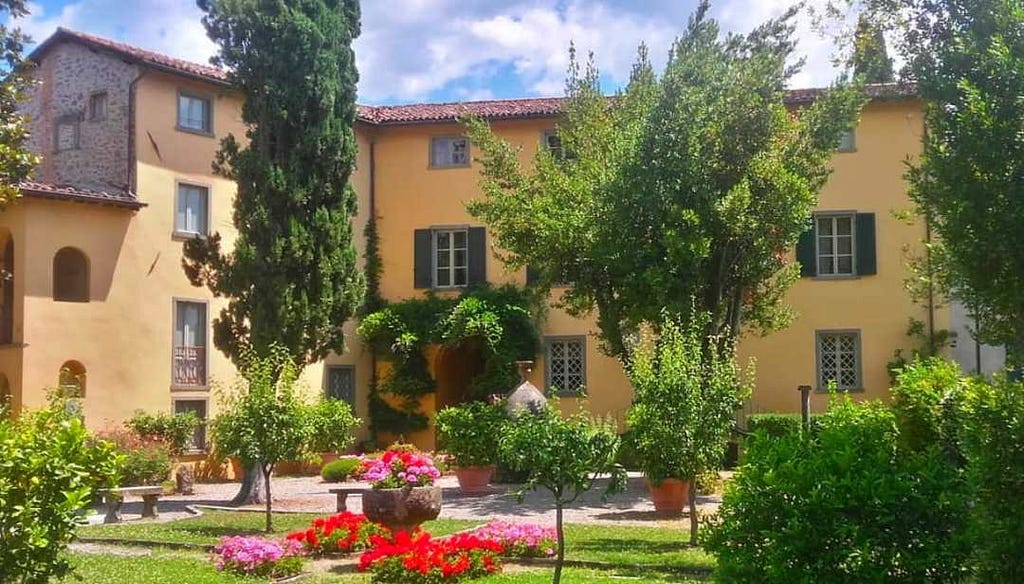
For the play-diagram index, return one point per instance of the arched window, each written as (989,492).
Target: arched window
(70,276)
(72,379)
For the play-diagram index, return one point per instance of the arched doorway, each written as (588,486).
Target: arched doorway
(454,368)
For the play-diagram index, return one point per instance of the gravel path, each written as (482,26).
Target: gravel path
(309,494)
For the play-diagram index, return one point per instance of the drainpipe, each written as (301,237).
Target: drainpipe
(373,215)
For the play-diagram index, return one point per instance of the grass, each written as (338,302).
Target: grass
(170,567)
(631,546)
(208,528)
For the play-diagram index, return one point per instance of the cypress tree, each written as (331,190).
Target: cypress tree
(870,55)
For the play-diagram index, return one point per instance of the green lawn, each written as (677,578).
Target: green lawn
(208,528)
(171,567)
(630,546)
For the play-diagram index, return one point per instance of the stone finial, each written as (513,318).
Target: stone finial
(524,368)
(525,398)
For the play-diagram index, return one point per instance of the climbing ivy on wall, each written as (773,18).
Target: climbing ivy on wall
(503,320)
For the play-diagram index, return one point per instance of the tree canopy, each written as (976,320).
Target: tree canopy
(16,162)
(684,192)
(291,278)
(871,60)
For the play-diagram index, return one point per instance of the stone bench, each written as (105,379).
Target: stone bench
(114,497)
(343,492)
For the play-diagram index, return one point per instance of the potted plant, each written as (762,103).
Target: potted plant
(687,390)
(469,435)
(330,428)
(403,493)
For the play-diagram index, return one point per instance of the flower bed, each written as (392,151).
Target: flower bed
(418,558)
(396,469)
(255,556)
(342,533)
(520,540)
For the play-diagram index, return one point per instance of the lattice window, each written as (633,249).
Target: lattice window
(566,365)
(448,151)
(341,384)
(834,235)
(839,360)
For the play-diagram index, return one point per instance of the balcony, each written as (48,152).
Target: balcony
(189,367)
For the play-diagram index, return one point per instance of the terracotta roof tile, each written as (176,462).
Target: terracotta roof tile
(150,58)
(41,190)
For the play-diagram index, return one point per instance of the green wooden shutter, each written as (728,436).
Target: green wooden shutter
(422,259)
(805,254)
(867,261)
(477,256)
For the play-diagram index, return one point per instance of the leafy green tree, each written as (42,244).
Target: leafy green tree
(871,61)
(563,456)
(692,184)
(685,406)
(49,470)
(264,421)
(292,278)
(16,162)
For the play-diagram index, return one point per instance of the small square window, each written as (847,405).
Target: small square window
(340,384)
(192,210)
(552,142)
(838,354)
(848,141)
(98,106)
(67,132)
(449,151)
(565,365)
(194,113)
(834,245)
(451,258)
(198,407)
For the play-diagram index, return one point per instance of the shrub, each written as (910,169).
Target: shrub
(330,425)
(418,559)
(173,430)
(469,433)
(49,468)
(341,533)
(255,556)
(776,425)
(926,399)
(994,443)
(146,461)
(520,540)
(340,470)
(842,505)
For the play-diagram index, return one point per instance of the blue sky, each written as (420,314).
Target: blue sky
(452,50)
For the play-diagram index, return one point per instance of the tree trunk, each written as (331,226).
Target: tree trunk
(693,512)
(266,479)
(560,559)
(251,491)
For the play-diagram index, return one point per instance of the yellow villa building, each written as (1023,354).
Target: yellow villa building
(94,246)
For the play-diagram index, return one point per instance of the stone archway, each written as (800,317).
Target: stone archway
(454,369)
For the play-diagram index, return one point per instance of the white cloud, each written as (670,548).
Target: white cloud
(419,49)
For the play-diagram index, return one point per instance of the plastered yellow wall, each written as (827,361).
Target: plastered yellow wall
(412,196)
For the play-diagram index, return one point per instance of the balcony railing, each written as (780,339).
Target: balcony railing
(190,366)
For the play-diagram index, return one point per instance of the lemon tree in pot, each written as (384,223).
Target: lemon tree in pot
(469,434)
(687,390)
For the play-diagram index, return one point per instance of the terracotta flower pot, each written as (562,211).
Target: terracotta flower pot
(402,509)
(670,496)
(474,480)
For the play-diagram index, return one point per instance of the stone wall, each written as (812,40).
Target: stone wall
(78,148)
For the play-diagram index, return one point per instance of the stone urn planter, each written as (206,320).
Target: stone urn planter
(670,496)
(475,480)
(402,509)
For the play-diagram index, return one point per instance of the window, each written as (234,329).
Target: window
(197,407)
(340,383)
(451,258)
(449,151)
(565,365)
(194,113)
(71,379)
(835,245)
(189,369)
(192,212)
(848,141)
(98,106)
(66,134)
(553,143)
(70,276)
(838,359)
